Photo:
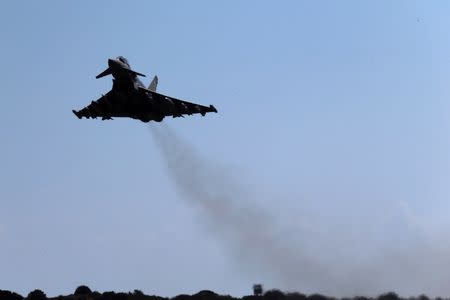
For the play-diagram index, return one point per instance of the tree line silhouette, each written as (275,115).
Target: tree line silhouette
(84,293)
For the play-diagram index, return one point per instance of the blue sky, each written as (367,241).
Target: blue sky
(333,115)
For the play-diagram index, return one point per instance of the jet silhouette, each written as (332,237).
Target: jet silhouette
(129,98)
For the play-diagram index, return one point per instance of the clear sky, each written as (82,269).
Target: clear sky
(333,116)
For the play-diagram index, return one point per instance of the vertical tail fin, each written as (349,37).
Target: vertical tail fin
(153,84)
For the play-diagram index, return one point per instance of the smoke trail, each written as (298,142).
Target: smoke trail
(250,233)
(249,230)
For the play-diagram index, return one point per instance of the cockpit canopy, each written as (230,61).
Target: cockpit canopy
(123,60)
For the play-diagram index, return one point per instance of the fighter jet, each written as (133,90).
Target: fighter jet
(130,98)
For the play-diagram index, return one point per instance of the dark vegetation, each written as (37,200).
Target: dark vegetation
(85,293)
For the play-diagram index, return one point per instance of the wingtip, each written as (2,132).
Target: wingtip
(213,108)
(76,113)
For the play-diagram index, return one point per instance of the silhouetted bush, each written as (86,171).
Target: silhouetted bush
(251,297)
(225,297)
(388,296)
(108,296)
(317,297)
(153,297)
(37,295)
(7,295)
(182,297)
(205,295)
(82,290)
(121,296)
(274,294)
(84,293)
(296,296)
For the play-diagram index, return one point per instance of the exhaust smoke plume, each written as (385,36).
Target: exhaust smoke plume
(251,235)
(249,230)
